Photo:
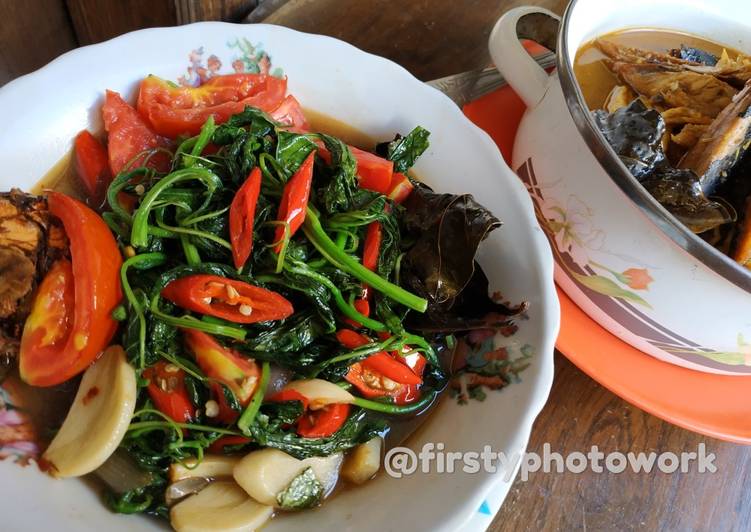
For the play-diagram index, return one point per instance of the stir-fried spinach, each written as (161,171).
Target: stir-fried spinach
(181,227)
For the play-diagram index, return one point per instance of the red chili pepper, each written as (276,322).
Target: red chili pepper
(289,395)
(351,339)
(232,300)
(363,307)
(372,246)
(401,188)
(383,364)
(242,213)
(167,390)
(224,365)
(417,363)
(92,165)
(219,446)
(295,200)
(323,422)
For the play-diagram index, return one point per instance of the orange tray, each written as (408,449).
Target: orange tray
(714,405)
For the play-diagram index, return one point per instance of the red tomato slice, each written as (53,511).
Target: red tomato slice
(227,366)
(291,115)
(128,135)
(168,392)
(49,360)
(228,299)
(295,200)
(242,212)
(323,422)
(92,165)
(401,188)
(374,172)
(173,111)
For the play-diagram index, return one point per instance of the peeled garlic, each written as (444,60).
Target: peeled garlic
(98,419)
(363,462)
(212,466)
(266,473)
(220,506)
(320,392)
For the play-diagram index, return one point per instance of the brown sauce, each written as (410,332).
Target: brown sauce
(596,80)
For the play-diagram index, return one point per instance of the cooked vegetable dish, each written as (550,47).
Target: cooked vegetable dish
(677,111)
(251,306)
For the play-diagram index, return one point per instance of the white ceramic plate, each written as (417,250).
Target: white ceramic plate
(43,111)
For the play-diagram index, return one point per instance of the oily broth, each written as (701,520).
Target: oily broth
(596,80)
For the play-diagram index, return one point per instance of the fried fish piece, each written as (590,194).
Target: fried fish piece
(667,89)
(723,143)
(31,239)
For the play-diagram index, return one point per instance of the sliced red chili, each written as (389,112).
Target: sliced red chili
(383,364)
(362,306)
(295,200)
(220,445)
(351,339)
(242,213)
(289,395)
(323,422)
(229,299)
(168,392)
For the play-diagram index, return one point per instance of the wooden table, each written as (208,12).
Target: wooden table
(434,38)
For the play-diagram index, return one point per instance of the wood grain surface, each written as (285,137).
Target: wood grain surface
(52,35)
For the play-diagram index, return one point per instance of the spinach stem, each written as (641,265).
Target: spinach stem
(386,408)
(251,411)
(315,233)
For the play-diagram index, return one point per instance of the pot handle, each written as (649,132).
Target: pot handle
(526,77)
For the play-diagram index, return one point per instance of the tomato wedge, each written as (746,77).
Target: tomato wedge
(128,135)
(374,172)
(232,300)
(401,188)
(224,365)
(168,392)
(72,343)
(92,165)
(290,114)
(173,111)
(242,213)
(295,200)
(323,422)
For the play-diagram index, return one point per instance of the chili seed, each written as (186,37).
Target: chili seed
(212,408)
(206,300)
(139,189)
(130,252)
(246,310)
(232,292)
(171,368)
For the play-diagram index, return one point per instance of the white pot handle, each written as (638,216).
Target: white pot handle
(526,77)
